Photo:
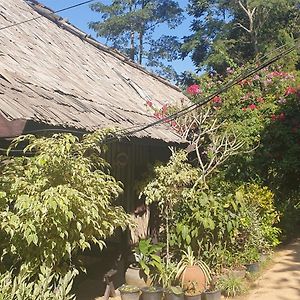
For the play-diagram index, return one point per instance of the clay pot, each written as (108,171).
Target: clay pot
(192,297)
(193,274)
(135,276)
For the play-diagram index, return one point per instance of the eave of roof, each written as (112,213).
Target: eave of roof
(53,73)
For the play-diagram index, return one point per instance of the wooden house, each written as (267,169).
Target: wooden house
(54,77)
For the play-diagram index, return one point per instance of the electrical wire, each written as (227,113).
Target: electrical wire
(127,132)
(236,80)
(51,13)
(130,131)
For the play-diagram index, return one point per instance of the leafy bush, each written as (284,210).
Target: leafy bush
(222,229)
(231,285)
(46,287)
(55,200)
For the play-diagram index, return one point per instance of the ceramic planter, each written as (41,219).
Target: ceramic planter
(194,274)
(253,267)
(169,295)
(214,295)
(152,293)
(129,293)
(192,297)
(135,276)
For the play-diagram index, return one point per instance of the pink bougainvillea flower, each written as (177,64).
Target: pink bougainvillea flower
(164,109)
(273,117)
(149,103)
(281,117)
(260,99)
(229,70)
(244,109)
(290,91)
(193,89)
(157,115)
(245,82)
(252,106)
(217,99)
(281,100)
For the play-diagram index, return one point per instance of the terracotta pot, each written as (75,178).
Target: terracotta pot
(192,297)
(194,274)
(135,276)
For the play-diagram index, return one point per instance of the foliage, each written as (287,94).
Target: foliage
(57,199)
(188,259)
(46,286)
(232,285)
(147,255)
(169,186)
(125,288)
(221,227)
(261,200)
(129,25)
(230,33)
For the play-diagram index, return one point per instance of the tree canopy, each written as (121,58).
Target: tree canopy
(128,25)
(226,33)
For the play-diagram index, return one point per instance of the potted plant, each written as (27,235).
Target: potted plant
(174,293)
(212,292)
(129,292)
(167,278)
(192,291)
(146,260)
(251,256)
(231,286)
(192,270)
(152,293)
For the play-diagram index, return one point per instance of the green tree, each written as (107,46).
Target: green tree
(56,199)
(233,32)
(128,25)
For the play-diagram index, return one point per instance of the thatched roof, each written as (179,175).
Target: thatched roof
(54,74)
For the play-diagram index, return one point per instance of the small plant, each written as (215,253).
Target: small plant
(177,290)
(167,276)
(129,289)
(47,285)
(232,286)
(146,254)
(188,259)
(192,288)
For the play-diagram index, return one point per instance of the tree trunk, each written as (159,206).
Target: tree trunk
(141,48)
(132,47)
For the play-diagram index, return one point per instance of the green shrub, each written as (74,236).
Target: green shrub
(231,285)
(46,286)
(56,199)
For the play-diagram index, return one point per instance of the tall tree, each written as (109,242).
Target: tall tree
(234,31)
(128,25)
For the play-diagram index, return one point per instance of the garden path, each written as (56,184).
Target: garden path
(282,280)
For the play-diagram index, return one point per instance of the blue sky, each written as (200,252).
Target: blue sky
(80,16)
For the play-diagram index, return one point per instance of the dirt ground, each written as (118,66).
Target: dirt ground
(282,280)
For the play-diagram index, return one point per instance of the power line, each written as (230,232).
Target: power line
(129,131)
(51,13)
(237,79)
